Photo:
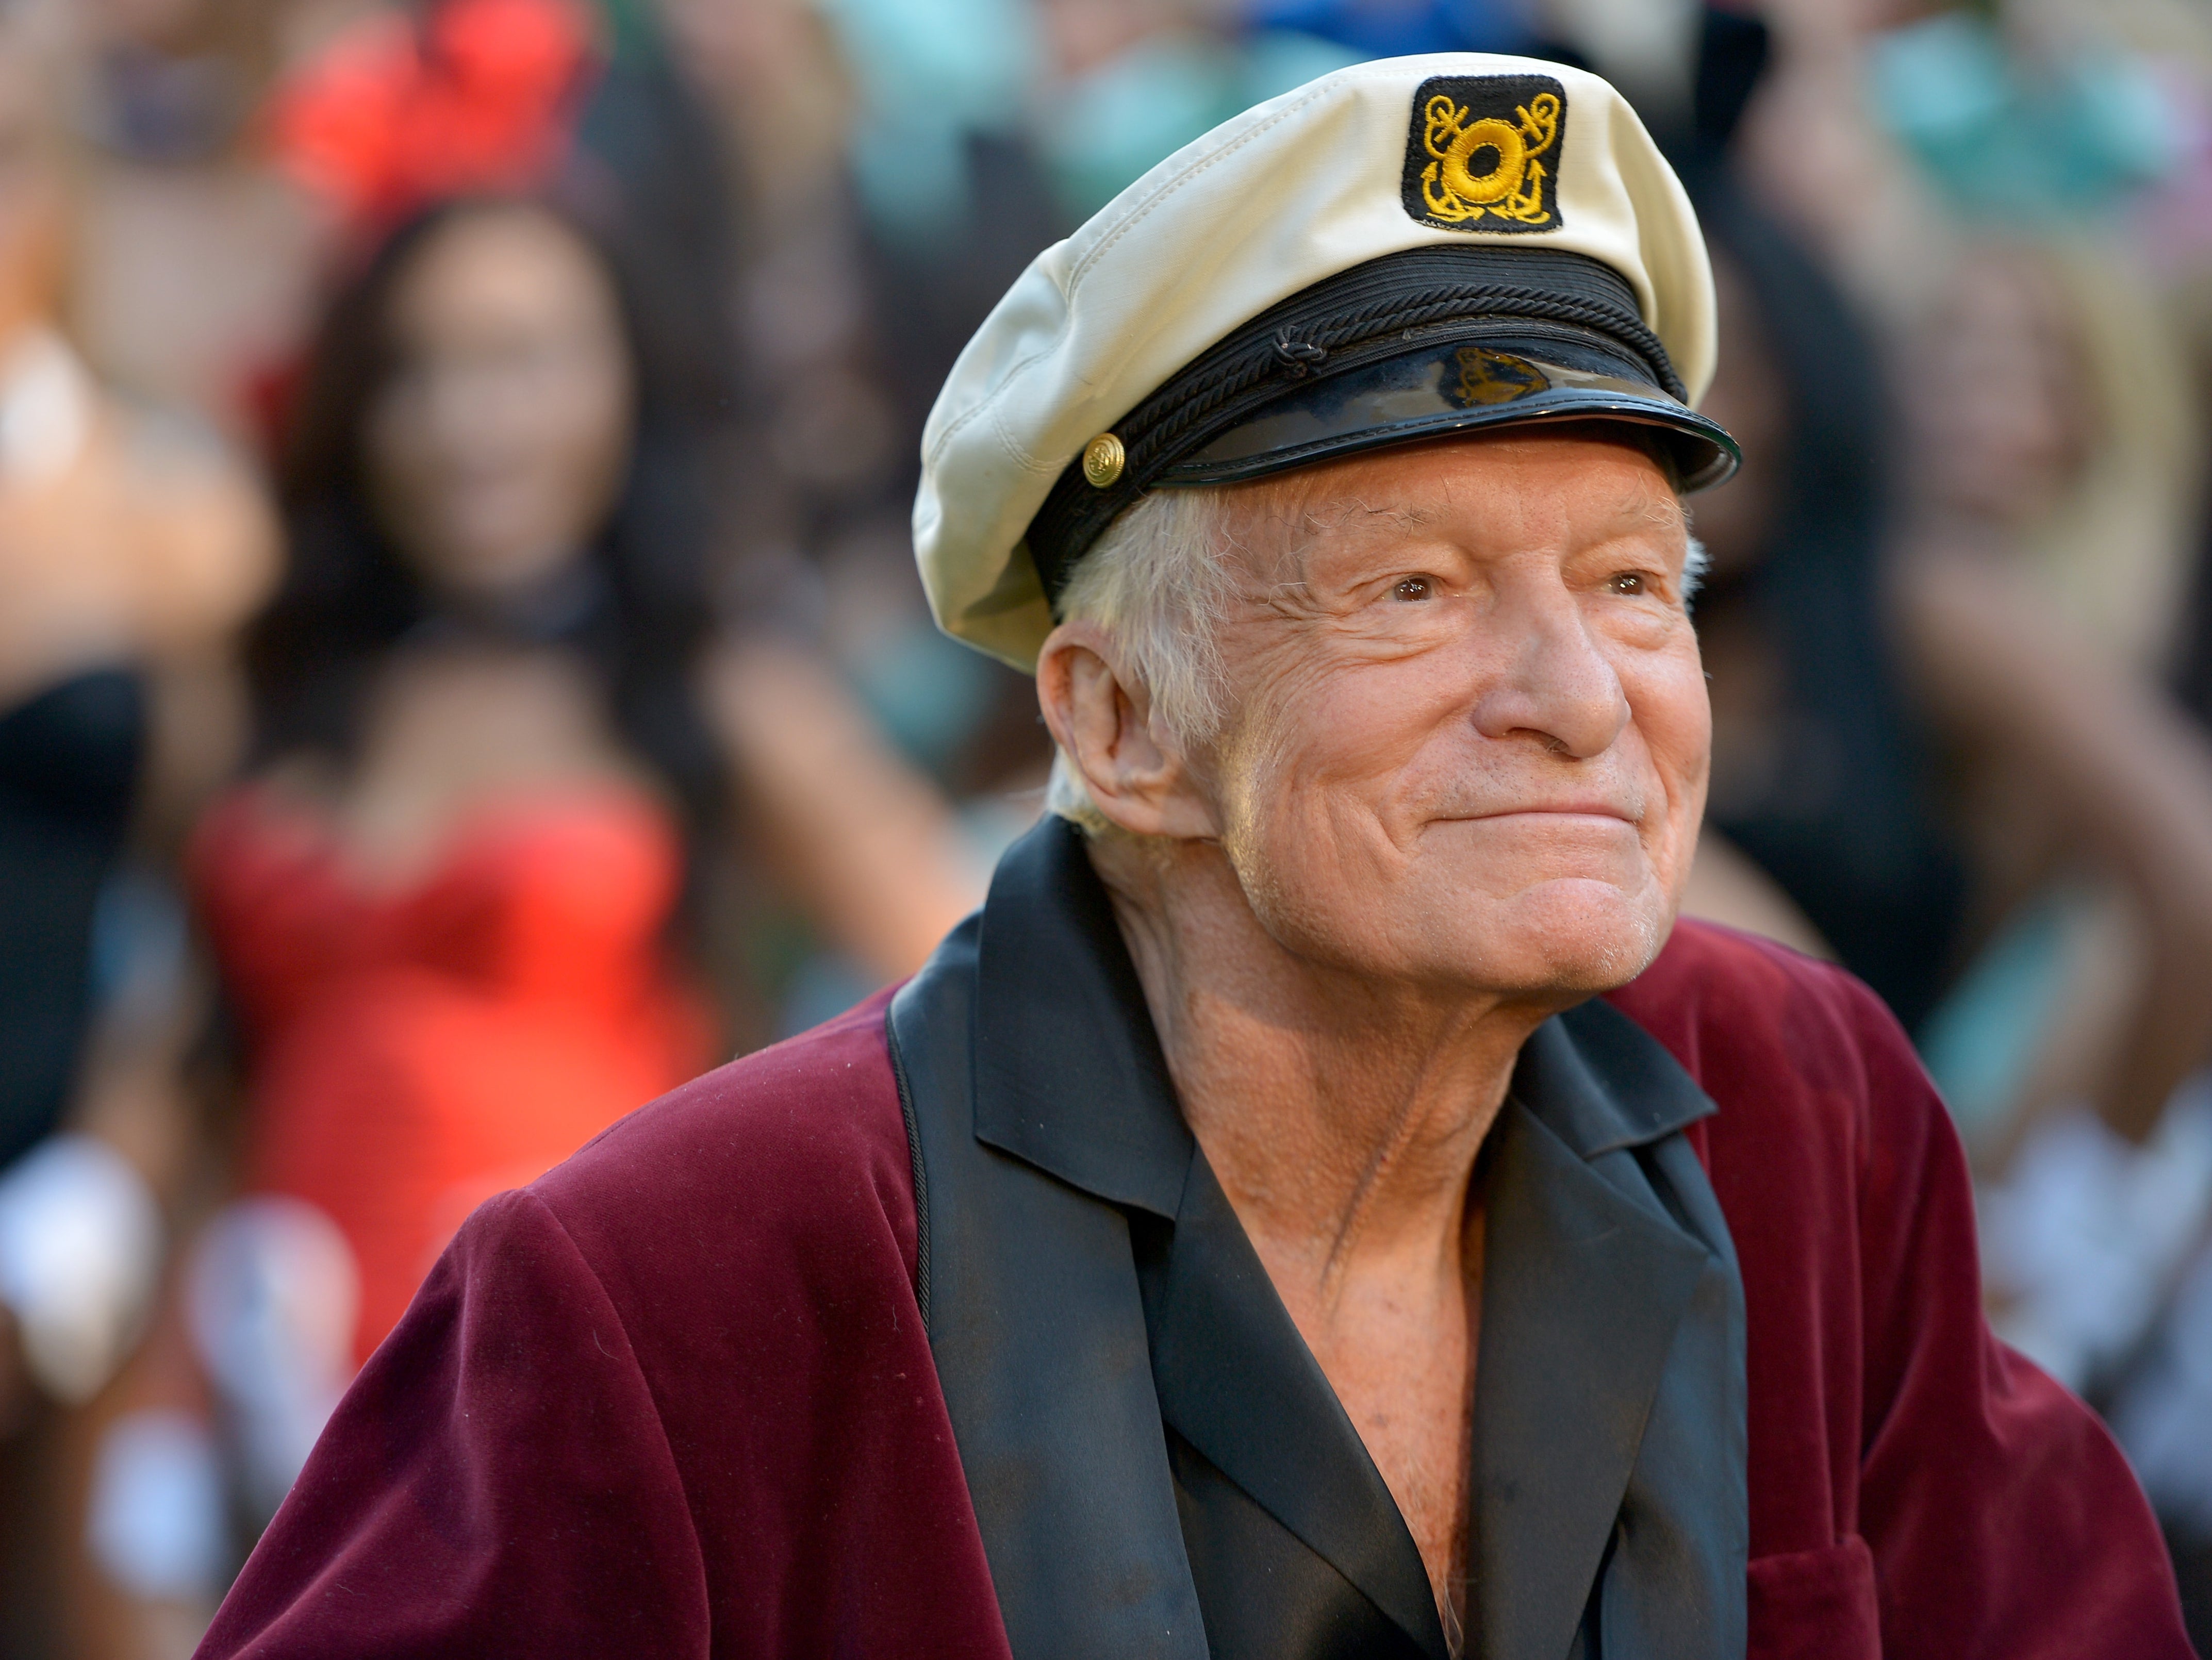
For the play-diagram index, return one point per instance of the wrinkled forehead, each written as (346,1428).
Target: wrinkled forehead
(1590,479)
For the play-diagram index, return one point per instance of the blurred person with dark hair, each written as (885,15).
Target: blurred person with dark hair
(1821,775)
(446,906)
(2038,599)
(441,906)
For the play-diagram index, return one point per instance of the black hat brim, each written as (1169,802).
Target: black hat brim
(1473,382)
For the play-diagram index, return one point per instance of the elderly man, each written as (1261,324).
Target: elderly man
(1314,1209)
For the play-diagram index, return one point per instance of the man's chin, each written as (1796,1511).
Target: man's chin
(1558,938)
(1571,940)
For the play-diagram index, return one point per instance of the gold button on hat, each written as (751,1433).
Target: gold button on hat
(1401,250)
(1104,457)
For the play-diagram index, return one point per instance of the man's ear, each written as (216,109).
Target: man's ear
(1106,726)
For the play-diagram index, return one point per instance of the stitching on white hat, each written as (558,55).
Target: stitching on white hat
(931,456)
(960,423)
(1145,208)
(990,396)
(1017,453)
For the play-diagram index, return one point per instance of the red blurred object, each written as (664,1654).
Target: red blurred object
(477,96)
(413,1049)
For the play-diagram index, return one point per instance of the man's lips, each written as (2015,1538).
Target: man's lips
(1579,810)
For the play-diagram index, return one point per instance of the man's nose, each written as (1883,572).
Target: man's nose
(1547,678)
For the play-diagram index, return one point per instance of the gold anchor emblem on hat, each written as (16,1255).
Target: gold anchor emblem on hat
(1512,187)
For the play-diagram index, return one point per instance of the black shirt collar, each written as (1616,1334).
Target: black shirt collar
(1069,1074)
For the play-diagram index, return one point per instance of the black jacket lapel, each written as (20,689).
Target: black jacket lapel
(1608,1467)
(1038,1331)
(1238,1383)
(1036,1113)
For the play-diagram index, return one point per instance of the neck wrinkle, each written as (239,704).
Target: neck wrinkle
(1342,1119)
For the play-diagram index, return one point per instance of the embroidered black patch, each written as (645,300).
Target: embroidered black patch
(1482,152)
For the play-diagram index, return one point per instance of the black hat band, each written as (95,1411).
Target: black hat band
(1418,343)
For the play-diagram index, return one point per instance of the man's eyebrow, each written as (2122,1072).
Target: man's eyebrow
(1335,514)
(1663,508)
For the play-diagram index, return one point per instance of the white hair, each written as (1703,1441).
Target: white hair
(1155,583)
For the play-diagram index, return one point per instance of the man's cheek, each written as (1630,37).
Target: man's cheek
(1671,709)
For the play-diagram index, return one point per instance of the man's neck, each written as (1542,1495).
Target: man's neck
(1342,1118)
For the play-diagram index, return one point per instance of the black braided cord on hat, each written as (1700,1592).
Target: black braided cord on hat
(1196,396)
(1416,289)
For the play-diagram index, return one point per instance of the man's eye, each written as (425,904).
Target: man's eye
(1630,582)
(1414,588)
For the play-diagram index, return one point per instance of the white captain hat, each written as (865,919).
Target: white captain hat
(1398,251)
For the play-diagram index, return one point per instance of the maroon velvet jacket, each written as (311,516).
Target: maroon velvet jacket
(676,1397)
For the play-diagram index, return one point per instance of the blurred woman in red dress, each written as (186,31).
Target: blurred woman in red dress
(500,736)
(442,904)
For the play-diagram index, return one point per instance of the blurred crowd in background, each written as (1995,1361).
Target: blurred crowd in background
(462,670)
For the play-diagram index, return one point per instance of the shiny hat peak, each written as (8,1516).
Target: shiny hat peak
(1381,214)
